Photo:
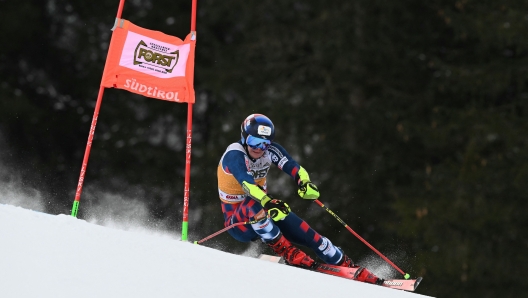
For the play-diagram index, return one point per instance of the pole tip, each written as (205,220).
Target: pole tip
(195,242)
(407,276)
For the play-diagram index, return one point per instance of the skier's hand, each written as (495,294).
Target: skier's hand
(308,190)
(277,209)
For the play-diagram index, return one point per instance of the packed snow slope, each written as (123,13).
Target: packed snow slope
(43,255)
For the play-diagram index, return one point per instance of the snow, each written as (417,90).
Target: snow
(43,255)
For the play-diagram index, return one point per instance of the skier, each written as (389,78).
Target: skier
(242,187)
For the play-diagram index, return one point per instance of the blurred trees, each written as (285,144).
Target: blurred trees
(410,116)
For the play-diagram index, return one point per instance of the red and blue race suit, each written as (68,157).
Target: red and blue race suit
(235,167)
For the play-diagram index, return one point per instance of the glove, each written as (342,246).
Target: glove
(277,209)
(308,191)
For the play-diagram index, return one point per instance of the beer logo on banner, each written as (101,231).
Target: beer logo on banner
(155,57)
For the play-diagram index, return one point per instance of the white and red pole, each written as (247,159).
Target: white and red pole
(187,185)
(78,191)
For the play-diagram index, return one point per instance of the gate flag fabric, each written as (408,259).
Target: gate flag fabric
(150,63)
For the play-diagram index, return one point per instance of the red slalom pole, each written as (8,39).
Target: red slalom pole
(80,183)
(187,186)
(406,275)
(75,207)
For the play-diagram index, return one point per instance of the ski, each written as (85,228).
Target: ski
(350,273)
(403,284)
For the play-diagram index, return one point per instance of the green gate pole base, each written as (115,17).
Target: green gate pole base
(75,208)
(185,227)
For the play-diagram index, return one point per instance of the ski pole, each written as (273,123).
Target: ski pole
(406,275)
(229,227)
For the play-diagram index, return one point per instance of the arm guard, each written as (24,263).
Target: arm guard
(303,176)
(255,192)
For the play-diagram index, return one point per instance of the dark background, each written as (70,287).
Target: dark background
(410,116)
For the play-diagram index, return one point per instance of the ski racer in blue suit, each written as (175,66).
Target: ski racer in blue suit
(242,172)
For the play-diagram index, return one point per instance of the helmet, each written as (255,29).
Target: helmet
(257,129)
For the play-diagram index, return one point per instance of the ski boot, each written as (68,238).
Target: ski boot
(291,254)
(362,274)
(347,262)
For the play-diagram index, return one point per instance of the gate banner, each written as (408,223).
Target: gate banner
(150,63)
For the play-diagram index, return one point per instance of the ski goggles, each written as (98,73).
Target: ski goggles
(257,143)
